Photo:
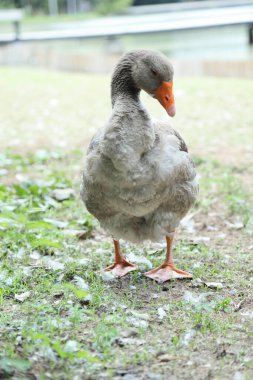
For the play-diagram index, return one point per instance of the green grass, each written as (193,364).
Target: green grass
(72,323)
(58,327)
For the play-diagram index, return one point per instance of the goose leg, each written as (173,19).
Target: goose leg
(121,266)
(167,270)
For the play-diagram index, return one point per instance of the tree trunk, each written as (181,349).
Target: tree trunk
(53,7)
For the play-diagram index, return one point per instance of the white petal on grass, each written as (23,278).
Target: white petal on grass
(52,264)
(80,283)
(161,313)
(35,255)
(107,276)
(139,260)
(71,346)
(194,299)
(82,261)
(22,297)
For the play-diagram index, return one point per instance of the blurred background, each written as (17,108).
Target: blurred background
(214,37)
(56,57)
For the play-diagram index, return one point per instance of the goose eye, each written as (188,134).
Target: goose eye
(153,72)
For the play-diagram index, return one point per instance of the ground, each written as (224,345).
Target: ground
(61,317)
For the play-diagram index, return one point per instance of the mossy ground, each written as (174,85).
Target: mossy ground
(72,323)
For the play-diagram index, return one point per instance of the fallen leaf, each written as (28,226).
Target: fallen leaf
(52,264)
(22,297)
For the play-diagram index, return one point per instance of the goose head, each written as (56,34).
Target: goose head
(153,73)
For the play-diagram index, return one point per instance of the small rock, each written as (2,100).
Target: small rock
(214,285)
(129,333)
(62,194)
(166,358)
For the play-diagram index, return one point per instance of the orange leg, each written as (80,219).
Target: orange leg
(167,271)
(121,266)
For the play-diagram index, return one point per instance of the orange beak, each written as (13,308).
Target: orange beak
(164,94)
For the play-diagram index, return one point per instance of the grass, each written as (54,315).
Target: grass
(58,317)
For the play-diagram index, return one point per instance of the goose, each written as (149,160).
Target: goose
(138,179)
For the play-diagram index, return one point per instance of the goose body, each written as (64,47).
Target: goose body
(139,180)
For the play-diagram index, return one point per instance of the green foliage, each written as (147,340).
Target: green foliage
(8,365)
(112,6)
(41,6)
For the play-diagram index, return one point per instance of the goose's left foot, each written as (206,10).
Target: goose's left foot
(167,272)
